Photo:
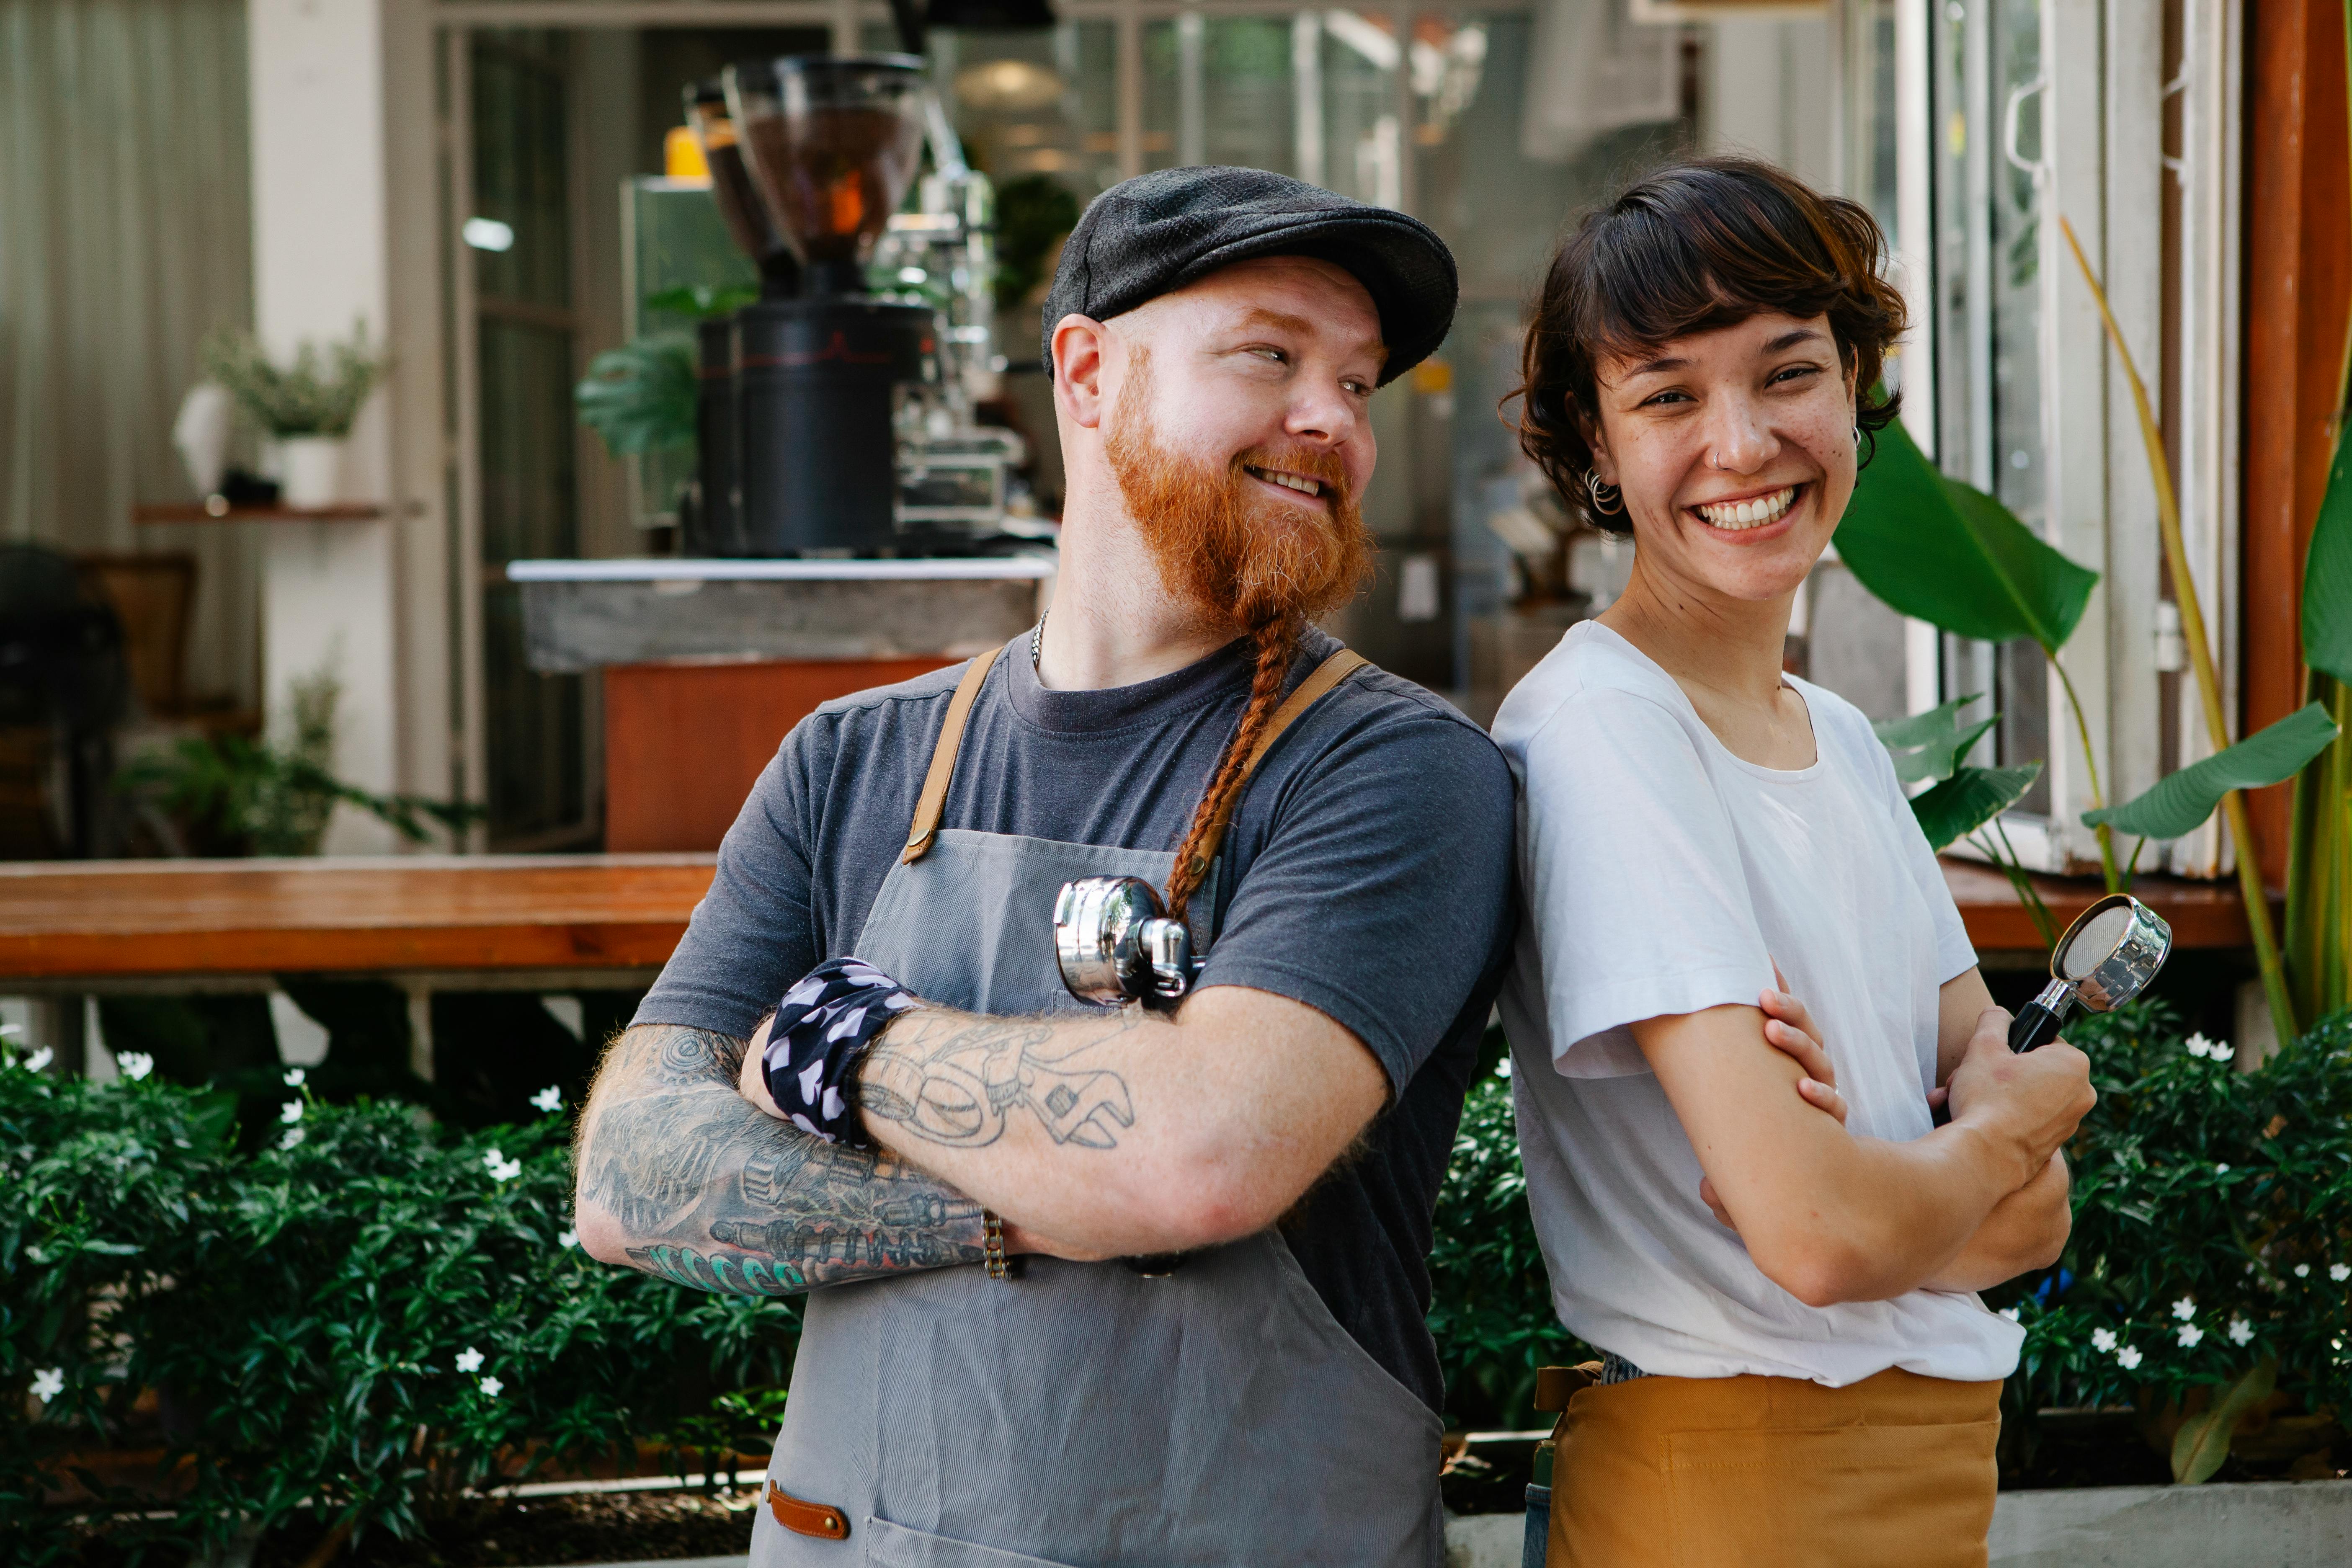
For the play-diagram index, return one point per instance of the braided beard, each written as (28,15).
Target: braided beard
(1240,558)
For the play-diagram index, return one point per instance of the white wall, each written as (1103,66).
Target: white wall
(346,229)
(1767,92)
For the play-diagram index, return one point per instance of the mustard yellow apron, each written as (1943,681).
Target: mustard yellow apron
(1759,1472)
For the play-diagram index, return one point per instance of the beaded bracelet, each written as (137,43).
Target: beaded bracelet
(992,1244)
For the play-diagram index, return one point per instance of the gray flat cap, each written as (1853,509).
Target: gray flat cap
(1159,232)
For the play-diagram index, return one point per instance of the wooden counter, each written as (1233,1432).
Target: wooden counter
(484,915)
(408,914)
(2201,914)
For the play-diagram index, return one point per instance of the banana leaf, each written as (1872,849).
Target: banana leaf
(1947,553)
(640,397)
(2203,1441)
(2181,801)
(1930,746)
(2328,575)
(1968,799)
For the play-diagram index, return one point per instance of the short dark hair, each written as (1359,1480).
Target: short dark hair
(1697,246)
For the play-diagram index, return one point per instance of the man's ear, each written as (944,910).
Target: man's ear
(1079,342)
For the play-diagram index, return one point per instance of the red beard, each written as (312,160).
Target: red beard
(1234,553)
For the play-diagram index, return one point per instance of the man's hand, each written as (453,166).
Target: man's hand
(753,1085)
(679,1176)
(1129,1133)
(2029,1104)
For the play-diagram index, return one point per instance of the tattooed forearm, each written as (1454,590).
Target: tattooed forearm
(952,1078)
(711,1192)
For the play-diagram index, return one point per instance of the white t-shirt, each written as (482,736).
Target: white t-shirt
(1663,876)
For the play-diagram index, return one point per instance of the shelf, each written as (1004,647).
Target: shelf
(688,569)
(201,512)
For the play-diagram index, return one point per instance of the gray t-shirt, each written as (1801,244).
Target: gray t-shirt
(1367,874)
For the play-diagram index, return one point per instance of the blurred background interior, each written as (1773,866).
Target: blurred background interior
(490,190)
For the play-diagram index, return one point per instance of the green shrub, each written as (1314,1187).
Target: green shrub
(355,1323)
(2212,1222)
(1491,1301)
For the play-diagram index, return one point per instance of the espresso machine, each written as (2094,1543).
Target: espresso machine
(713,525)
(819,365)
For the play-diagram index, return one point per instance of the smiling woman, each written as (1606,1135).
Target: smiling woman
(1703,839)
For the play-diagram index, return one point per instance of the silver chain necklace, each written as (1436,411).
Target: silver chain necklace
(1037,643)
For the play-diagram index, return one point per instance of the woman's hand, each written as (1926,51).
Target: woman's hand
(1788,1028)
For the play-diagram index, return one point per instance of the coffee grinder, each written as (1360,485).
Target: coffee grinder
(715,526)
(831,143)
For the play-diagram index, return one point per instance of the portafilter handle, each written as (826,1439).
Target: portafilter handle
(2037,1023)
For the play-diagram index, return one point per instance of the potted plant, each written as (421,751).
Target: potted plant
(307,406)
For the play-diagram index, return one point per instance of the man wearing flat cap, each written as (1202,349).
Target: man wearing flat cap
(1087,1286)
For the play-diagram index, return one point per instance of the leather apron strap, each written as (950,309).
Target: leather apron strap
(1342,664)
(934,797)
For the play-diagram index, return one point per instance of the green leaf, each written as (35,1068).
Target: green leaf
(2327,574)
(1934,548)
(1920,729)
(700,299)
(1968,799)
(640,397)
(2203,1441)
(2182,800)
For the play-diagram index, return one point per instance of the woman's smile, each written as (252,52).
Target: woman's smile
(1755,517)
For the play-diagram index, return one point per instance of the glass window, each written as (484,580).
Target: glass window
(1987,81)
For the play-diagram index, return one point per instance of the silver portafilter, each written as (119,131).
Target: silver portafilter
(1115,943)
(2106,958)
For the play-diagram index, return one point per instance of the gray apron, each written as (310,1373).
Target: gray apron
(1081,1413)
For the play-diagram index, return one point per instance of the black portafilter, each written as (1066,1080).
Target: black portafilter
(2106,958)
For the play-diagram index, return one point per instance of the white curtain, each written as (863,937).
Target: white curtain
(126,229)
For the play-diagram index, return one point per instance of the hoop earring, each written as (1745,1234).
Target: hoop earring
(1608,505)
(1857,438)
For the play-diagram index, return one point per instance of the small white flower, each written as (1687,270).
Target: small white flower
(1503,1068)
(48,1383)
(549,1098)
(10,1031)
(134,1064)
(2012,1313)
(492,1386)
(2189,1335)
(292,1140)
(2185,1308)
(2339,1272)
(2199,1046)
(2127,1358)
(505,1171)
(567,1238)
(39,1060)
(290,1112)
(2102,1340)
(2241,1332)
(294,1077)
(2221,1167)
(2303,1270)
(470,1359)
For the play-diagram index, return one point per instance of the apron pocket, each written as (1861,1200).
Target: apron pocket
(1919,1495)
(889,1545)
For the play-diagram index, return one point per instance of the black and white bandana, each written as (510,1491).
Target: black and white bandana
(823,1028)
